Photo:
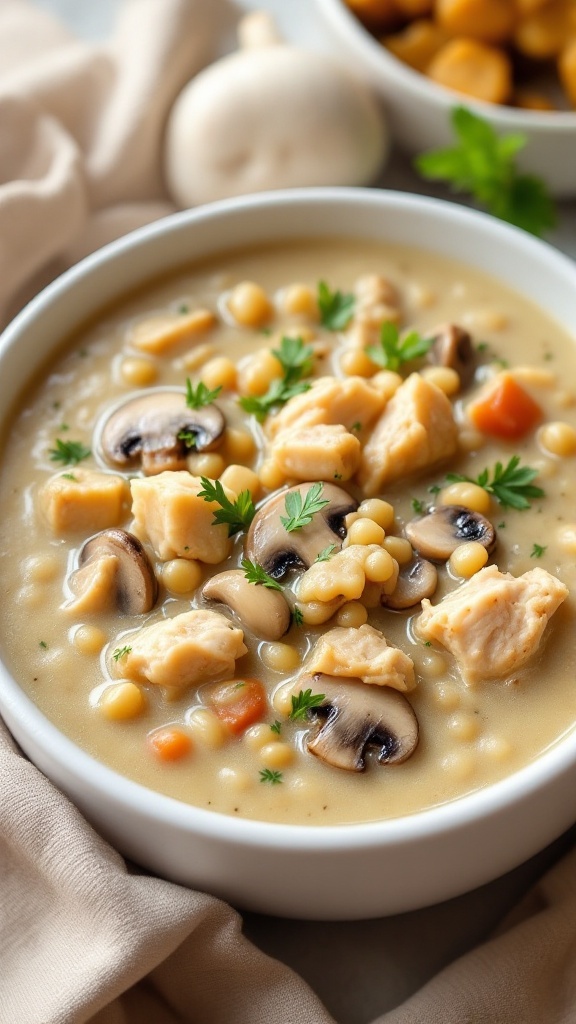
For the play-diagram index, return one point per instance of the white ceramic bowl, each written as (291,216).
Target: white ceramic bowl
(419,109)
(351,871)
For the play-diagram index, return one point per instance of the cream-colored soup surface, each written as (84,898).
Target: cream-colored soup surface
(73,655)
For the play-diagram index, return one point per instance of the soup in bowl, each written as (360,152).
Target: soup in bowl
(293,476)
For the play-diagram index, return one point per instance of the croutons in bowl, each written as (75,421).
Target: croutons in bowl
(294,621)
(422,70)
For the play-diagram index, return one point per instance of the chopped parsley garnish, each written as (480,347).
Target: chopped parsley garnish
(305,700)
(393,350)
(69,476)
(267,775)
(418,506)
(355,427)
(276,727)
(326,553)
(538,550)
(254,573)
(300,512)
(43,645)
(435,489)
(511,485)
(336,308)
(121,652)
(297,361)
(188,437)
(298,616)
(69,452)
(483,163)
(237,515)
(199,396)
(183,309)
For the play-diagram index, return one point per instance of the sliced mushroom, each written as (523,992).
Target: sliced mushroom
(134,584)
(263,611)
(438,533)
(270,545)
(353,716)
(416,580)
(453,347)
(157,430)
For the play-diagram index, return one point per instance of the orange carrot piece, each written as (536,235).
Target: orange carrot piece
(239,703)
(169,743)
(507,411)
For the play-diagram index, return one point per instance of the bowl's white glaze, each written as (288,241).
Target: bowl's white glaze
(419,109)
(342,872)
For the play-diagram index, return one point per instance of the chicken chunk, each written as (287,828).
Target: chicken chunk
(83,500)
(321,452)
(189,649)
(353,403)
(168,512)
(362,653)
(494,623)
(343,574)
(416,430)
(161,333)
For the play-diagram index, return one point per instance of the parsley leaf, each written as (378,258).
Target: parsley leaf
(278,394)
(199,396)
(326,553)
(484,164)
(305,700)
(418,506)
(298,616)
(336,308)
(121,652)
(276,727)
(300,512)
(267,775)
(296,359)
(237,515)
(511,485)
(254,573)
(69,452)
(538,550)
(393,350)
(188,437)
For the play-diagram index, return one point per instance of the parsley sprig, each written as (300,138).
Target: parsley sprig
(268,775)
(199,396)
(336,308)
(70,453)
(538,550)
(301,510)
(326,554)
(254,573)
(237,515)
(511,485)
(303,702)
(297,361)
(393,351)
(484,164)
(121,652)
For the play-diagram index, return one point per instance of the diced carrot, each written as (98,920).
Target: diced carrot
(239,703)
(170,743)
(507,411)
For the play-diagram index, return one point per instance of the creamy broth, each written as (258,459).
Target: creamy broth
(469,735)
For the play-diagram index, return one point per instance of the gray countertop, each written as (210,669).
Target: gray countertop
(362,969)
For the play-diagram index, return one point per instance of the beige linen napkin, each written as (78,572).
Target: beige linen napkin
(83,937)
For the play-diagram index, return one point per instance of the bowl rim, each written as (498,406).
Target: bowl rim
(119,790)
(419,87)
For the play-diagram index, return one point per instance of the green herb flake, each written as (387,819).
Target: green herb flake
(267,775)
(538,550)
(188,437)
(64,426)
(69,476)
(300,512)
(418,506)
(236,515)
(183,309)
(512,485)
(483,164)
(355,427)
(276,727)
(254,573)
(393,351)
(427,643)
(298,616)
(303,702)
(43,645)
(435,489)
(121,652)
(336,308)
(199,396)
(69,452)
(297,361)
(326,553)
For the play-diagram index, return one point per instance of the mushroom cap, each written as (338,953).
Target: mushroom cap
(354,716)
(438,533)
(145,430)
(251,121)
(452,346)
(416,580)
(135,582)
(270,545)
(263,611)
